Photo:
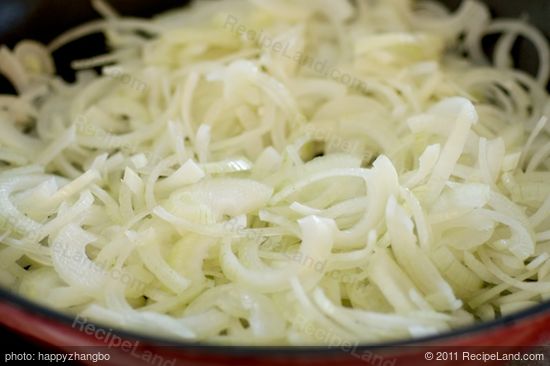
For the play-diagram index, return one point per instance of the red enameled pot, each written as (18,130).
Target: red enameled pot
(42,20)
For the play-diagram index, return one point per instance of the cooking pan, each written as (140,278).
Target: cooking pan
(42,20)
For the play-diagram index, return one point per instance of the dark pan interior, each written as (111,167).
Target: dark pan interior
(44,19)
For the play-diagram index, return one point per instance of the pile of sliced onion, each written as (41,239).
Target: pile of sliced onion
(280,172)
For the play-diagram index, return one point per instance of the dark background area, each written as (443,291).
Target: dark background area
(44,19)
